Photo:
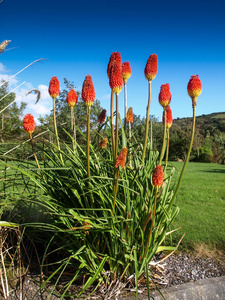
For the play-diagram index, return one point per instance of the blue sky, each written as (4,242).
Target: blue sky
(78,37)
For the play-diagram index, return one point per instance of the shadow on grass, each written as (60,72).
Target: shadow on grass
(214,171)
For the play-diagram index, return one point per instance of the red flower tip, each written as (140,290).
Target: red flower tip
(28,123)
(71,98)
(151,67)
(194,87)
(165,95)
(130,116)
(103,143)
(114,56)
(115,73)
(88,91)
(157,176)
(102,116)
(169,117)
(54,87)
(126,71)
(120,161)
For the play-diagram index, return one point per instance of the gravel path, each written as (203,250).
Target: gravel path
(174,270)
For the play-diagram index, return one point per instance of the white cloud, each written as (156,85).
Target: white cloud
(2,68)
(105,97)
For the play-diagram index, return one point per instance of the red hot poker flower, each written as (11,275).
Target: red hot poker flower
(102,116)
(111,62)
(194,88)
(28,123)
(120,161)
(165,95)
(157,176)
(54,87)
(126,71)
(151,67)
(88,91)
(115,76)
(103,143)
(71,98)
(130,116)
(169,117)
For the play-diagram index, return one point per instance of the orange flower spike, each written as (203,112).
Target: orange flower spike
(165,95)
(102,116)
(88,91)
(71,98)
(157,176)
(103,143)
(126,71)
(169,117)
(54,87)
(194,88)
(151,67)
(130,116)
(111,62)
(115,77)
(28,123)
(121,159)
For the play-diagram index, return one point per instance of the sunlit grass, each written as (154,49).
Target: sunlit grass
(202,205)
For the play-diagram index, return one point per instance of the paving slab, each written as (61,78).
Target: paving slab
(204,289)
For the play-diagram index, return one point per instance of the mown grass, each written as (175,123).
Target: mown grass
(202,205)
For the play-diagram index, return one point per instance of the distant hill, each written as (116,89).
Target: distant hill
(213,122)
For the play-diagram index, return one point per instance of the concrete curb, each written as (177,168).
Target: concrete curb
(204,289)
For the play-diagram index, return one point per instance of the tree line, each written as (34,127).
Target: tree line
(208,146)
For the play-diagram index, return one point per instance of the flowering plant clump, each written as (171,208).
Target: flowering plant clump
(109,217)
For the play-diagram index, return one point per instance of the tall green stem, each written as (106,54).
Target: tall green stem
(147,121)
(112,127)
(164,139)
(32,145)
(125,104)
(88,141)
(186,161)
(56,131)
(116,178)
(168,144)
(153,220)
(117,125)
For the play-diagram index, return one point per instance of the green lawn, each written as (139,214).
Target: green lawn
(202,204)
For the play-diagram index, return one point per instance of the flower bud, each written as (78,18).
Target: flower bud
(157,176)
(120,161)
(194,88)
(164,95)
(126,71)
(115,74)
(169,117)
(151,67)
(130,117)
(28,123)
(71,98)
(102,116)
(103,143)
(54,87)
(88,91)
